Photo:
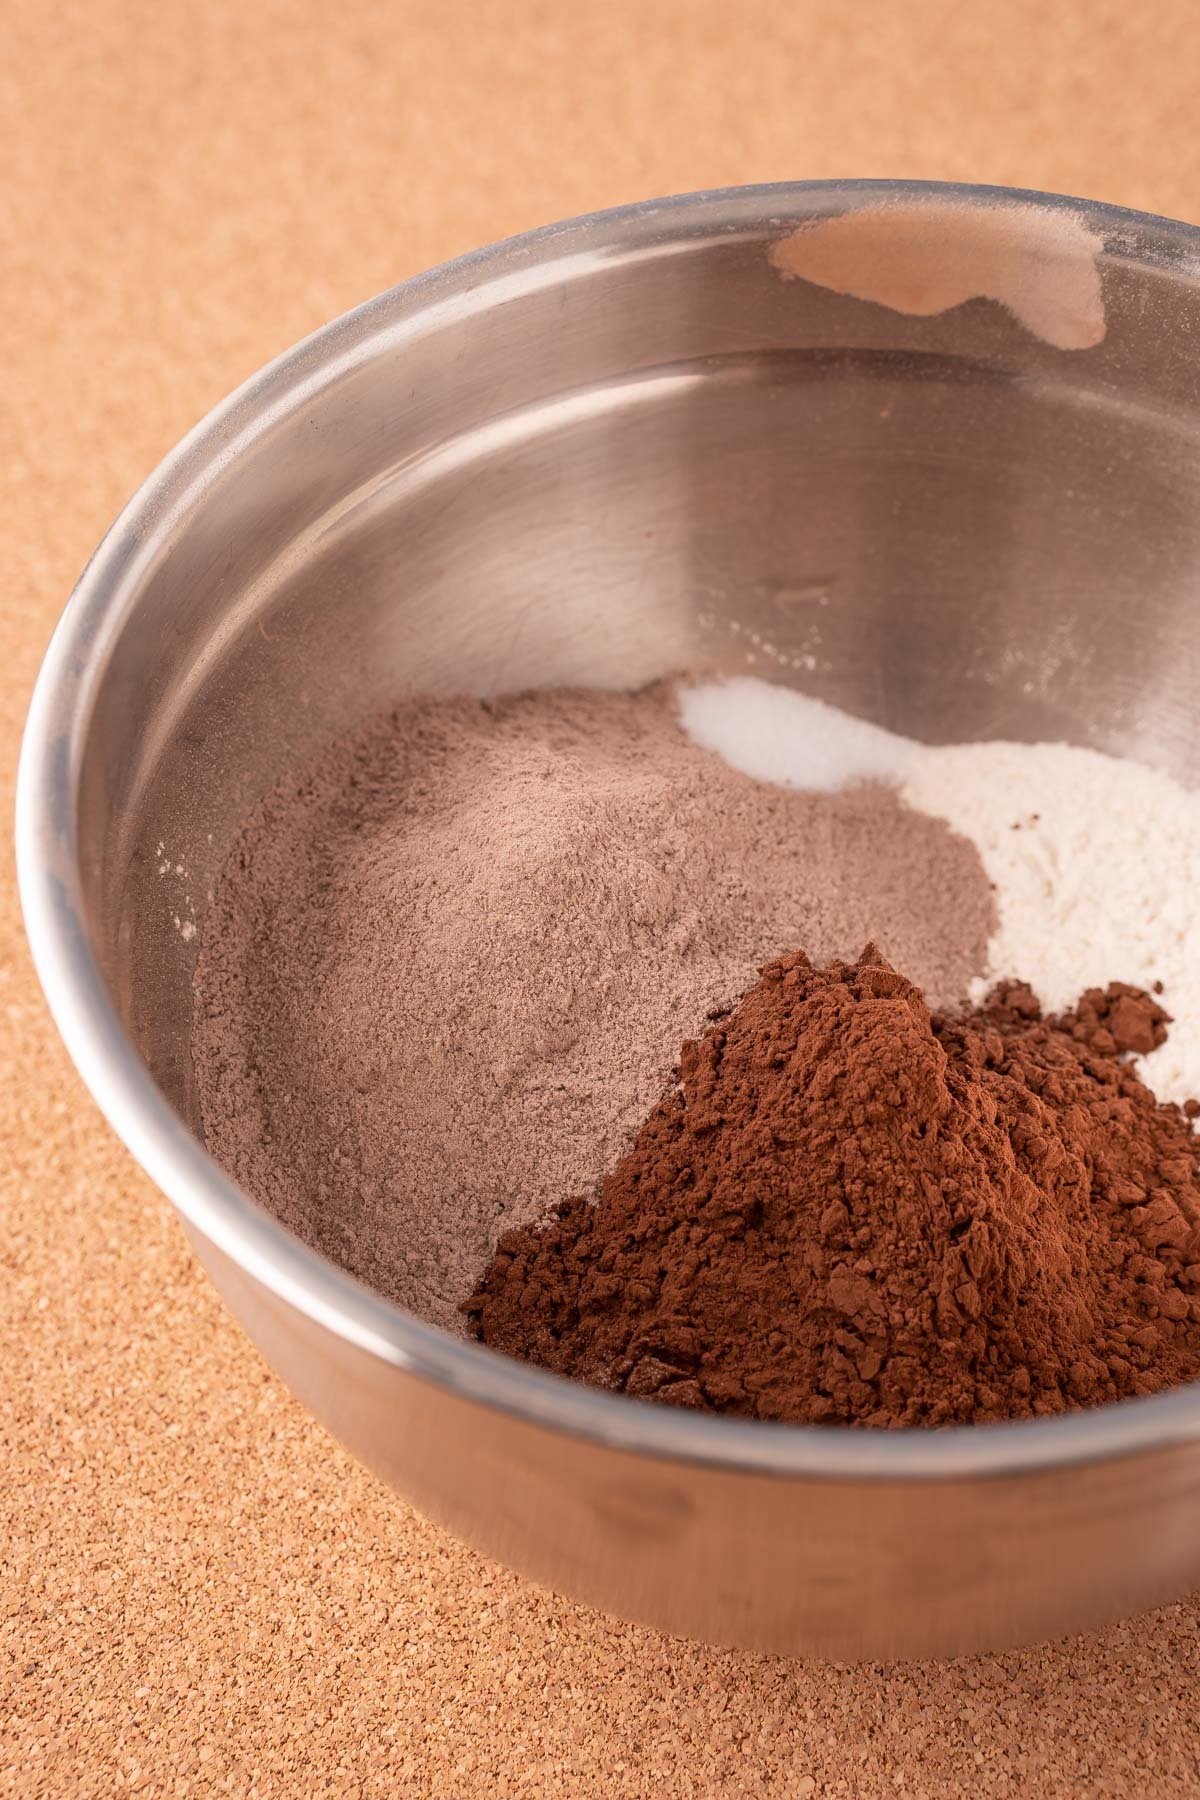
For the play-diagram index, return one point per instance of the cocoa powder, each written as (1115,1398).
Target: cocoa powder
(448,964)
(847,1210)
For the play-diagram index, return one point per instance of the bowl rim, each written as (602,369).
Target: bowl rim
(111,1067)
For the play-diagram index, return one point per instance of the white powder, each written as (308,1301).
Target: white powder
(1095,860)
(775,735)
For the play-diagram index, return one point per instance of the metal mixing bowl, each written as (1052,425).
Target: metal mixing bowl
(616,447)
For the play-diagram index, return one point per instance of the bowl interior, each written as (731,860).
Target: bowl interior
(636,445)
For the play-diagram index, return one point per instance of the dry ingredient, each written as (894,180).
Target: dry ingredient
(1095,860)
(447,967)
(848,1211)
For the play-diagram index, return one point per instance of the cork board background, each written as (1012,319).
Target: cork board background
(199,1594)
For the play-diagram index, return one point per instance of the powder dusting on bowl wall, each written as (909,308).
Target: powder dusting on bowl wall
(924,258)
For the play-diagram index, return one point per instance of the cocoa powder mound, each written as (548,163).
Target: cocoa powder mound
(848,1210)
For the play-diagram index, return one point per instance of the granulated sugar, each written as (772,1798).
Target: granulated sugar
(1094,859)
(448,966)
(780,736)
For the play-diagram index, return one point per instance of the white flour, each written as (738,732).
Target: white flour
(1095,860)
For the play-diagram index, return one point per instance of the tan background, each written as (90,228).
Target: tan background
(200,1593)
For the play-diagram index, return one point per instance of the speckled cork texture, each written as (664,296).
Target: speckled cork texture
(199,1593)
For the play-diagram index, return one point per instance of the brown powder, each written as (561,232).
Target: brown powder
(446,970)
(848,1211)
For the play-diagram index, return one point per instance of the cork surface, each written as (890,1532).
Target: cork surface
(199,1594)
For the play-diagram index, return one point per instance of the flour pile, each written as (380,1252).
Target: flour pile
(1094,860)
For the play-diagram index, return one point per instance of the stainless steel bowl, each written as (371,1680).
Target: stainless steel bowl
(669,435)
